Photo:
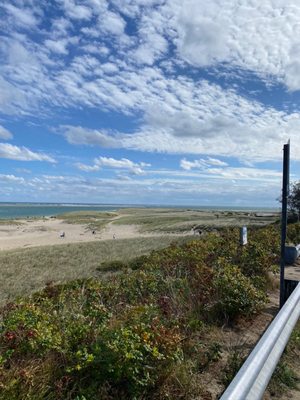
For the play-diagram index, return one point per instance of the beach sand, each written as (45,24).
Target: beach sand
(45,232)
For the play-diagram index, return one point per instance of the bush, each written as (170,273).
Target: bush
(293,233)
(235,293)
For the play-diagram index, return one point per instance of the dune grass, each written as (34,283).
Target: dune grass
(180,220)
(10,222)
(93,219)
(26,270)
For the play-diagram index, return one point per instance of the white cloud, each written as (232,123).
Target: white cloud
(22,153)
(22,16)
(202,163)
(57,46)
(112,163)
(12,99)
(261,37)
(76,12)
(188,165)
(241,173)
(4,133)
(60,27)
(87,168)
(215,161)
(214,190)
(112,23)
(79,135)
(177,112)
(11,179)
(182,116)
(124,163)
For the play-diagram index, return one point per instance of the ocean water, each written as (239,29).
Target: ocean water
(24,210)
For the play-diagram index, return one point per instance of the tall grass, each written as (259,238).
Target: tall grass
(26,270)
(93,219)
(170,220)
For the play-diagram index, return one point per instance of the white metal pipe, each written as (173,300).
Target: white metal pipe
(252,379)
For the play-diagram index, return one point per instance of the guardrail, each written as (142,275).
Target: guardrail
(252,379)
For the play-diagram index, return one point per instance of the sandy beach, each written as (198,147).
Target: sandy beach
(127,224)
(45,232)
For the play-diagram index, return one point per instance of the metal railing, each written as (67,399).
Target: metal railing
(252,379)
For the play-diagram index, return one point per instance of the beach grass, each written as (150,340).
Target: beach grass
(180,220)
(10,222)
(24,271)
(93,219)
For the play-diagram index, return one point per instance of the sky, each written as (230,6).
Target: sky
(165,102)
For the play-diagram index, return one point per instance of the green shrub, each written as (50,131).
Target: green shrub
(234,363)
(112,266)
(235,293)
(293,233)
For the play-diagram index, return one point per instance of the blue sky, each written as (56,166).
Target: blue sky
(183,102)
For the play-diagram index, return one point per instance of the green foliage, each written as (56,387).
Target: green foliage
(112,266)
(125,336)
(236,295)
(286,376)
(294,201)
(234,363)
(293,233)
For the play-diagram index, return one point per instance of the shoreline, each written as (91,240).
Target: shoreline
(12,210)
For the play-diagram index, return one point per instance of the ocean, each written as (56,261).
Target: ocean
(24,210)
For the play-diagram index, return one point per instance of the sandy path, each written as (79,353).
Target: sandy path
(47,232)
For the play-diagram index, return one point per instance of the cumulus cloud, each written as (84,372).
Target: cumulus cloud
(22,154)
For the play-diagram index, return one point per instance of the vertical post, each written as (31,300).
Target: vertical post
(285,192)
(243,236)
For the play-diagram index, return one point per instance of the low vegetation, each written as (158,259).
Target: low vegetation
(151,331)
(26,270)
(92,219)
(286,375)
(180,220)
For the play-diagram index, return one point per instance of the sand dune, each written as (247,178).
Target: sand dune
(47,231)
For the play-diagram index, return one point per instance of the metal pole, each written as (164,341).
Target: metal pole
(285,192)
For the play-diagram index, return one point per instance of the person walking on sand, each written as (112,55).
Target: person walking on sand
(114,236)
